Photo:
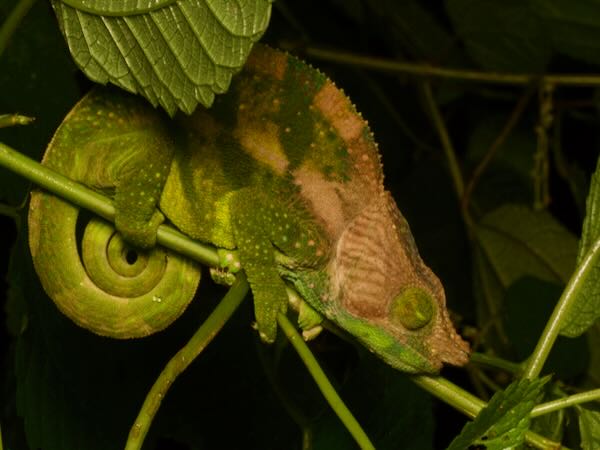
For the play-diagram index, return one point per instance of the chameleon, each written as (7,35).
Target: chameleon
(282,174)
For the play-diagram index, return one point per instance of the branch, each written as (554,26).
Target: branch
(424,70)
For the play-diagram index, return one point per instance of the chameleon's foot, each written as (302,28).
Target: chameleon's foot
(139,234)
(229,265)
(309,320)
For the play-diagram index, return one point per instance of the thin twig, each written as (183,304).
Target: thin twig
(447,146)
(12,22)
(324,384)
(561,403)
(498,142)
(424,70)
(183,358)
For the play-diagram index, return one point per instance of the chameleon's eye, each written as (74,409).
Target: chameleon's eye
(413,308)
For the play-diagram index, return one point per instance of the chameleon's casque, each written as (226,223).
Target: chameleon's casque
(284,170)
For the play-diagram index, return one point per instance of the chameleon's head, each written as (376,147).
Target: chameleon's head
(387,297)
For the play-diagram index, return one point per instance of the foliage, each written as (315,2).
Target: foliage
(492,171)
(504,421)
(176,53)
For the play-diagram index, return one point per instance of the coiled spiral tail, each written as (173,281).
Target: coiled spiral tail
(112,290)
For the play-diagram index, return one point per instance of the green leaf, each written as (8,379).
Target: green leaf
(503,422)
(518,241)
(506,36)
(573,26)
(586,307)
(118,7)
(412,28)
(515,242)
(589,428)
(176,53)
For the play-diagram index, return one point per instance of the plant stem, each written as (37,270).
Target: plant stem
(12,22)
(562,403)
(324,384)
(536,361)
(85,197)
(449,151)
(423,70)
(183,358)
(450,393)
(495,362)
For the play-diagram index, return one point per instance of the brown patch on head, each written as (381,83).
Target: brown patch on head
(377,259)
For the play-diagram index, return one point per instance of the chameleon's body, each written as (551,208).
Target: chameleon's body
(281,168)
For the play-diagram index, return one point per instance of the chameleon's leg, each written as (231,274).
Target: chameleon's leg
(140,181)
(262,224)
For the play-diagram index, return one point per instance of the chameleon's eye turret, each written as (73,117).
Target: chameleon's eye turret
(413,308)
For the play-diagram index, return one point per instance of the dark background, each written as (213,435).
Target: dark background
(64,388)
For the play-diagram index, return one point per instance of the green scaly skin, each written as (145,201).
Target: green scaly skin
(283,170)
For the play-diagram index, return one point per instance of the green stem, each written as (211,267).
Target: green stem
(495,362)
(423,70)
(12,22)
(450,393)
(536,361)
(440,126)
(183,358)
(324,384)
(562,403)
(84,197)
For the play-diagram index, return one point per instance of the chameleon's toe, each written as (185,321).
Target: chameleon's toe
(222,276)
(266,310)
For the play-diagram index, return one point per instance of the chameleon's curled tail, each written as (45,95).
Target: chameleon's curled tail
(111,289)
